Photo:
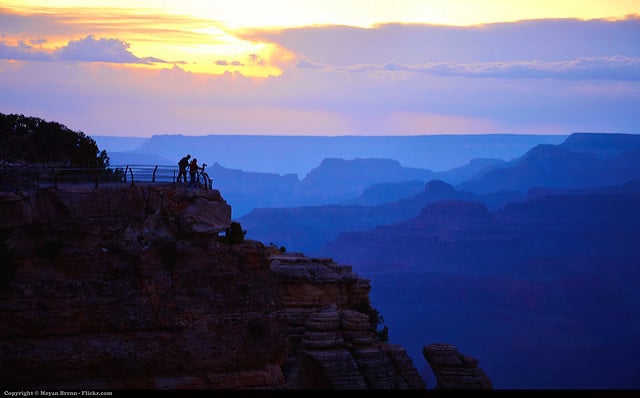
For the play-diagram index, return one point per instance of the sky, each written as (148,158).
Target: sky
(331,67)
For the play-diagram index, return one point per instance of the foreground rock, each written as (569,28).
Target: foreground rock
(453,370)
(132,288)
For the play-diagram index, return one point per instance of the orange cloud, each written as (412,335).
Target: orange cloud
(143,36)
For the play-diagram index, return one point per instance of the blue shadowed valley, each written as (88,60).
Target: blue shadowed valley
(521,250)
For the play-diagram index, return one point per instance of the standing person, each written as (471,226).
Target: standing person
(193,172)
(182,168)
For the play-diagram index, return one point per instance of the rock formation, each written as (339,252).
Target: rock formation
(331,345)
(453,370)
(131,287)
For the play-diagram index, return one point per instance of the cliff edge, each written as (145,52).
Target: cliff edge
(132,287)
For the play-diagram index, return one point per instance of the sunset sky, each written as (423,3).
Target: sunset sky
(298,67)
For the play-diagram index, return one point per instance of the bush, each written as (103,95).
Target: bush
(35,140)
(383,334)
(234,234)
(375,319)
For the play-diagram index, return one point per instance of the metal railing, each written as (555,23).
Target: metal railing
(162,174)
(147,173)
(23,176)
(14,176)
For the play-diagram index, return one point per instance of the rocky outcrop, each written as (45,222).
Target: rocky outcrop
(196,209)
(453,370)
(331,345)
(131,287)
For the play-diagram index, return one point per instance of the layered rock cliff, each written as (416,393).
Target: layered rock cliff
(453,370)
(132,287)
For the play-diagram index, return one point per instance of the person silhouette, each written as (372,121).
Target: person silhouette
(193,172)
(182,168)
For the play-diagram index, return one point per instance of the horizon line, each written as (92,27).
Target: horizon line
(358,135)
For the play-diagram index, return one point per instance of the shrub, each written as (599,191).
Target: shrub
(234,234)
(33,139)
(375,319)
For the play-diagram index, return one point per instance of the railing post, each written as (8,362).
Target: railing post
(153,179)
(131,172)
(125,173)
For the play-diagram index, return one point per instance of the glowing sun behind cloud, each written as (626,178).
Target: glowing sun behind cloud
(205,36)
(151,38)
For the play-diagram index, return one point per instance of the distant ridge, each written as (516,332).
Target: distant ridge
(583,160)
(604,145)
(300,154)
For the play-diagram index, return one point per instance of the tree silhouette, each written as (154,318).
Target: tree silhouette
(35,140)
